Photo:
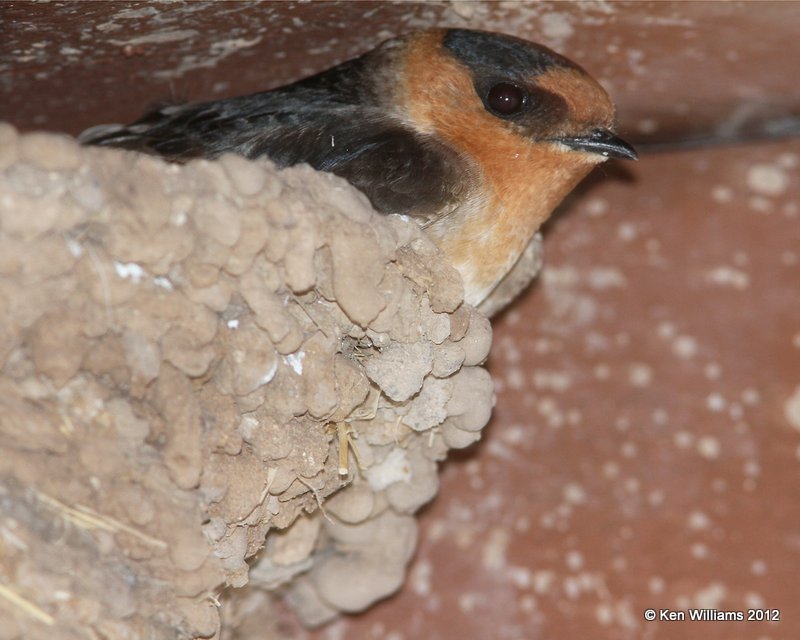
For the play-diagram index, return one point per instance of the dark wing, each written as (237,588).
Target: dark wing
(325,121)
(208,129)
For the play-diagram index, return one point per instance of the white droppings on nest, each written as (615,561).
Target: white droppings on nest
(288,327)
(295,361)
(392,469)
(163,282)
(131,270)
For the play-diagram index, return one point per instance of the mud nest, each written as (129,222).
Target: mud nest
(214,375)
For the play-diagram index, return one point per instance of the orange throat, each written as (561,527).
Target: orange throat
(488,233)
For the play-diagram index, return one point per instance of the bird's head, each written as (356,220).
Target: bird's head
(525,123)
(498,89)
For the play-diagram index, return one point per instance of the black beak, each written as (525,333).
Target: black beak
(601,141)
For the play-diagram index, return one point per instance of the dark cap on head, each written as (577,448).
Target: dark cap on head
(496,54)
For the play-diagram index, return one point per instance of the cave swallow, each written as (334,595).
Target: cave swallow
(478,136)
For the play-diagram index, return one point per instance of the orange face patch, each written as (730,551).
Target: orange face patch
(588,102)
(518,181)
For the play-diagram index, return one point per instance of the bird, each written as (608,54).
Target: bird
(476,135)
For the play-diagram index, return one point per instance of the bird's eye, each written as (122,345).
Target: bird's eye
(506,99)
